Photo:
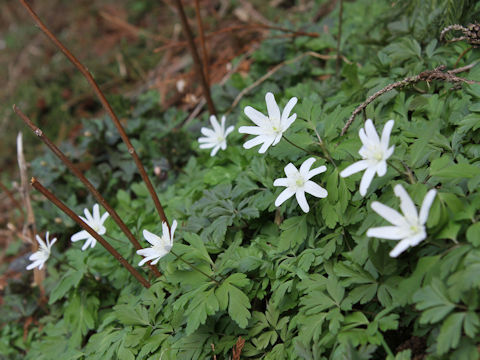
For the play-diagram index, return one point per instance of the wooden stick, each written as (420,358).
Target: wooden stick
(96,194)
(38,186)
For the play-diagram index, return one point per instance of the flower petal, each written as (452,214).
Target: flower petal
(302,201)
(286,112)
(366,180)
(96,212)
(173,228)
(399,248)
(151,237)
(209,133)
(389,214)
(371,131)
(81,235)
(281,182)
(229,130)
(381,168)
(315,190)
(215,150)
(272,107)
(305,167)
(354,168)
(254,142)
(316,171)
(207,145)
(427,203)
(289,121)
(256,116)
(266,145)
(388,232)
(88,216)
(387,129)
(215,125)
(252,130)
(284,195)
(406,204)
(104,217)
(290,170)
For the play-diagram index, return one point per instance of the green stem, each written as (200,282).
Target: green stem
(194,267)
(386,347)
(404,173)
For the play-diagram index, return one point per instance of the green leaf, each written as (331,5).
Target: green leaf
(473,234)
(450,333)
(198,244)
(434,300)
(69,280)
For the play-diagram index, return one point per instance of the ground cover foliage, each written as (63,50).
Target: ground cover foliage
(292,285)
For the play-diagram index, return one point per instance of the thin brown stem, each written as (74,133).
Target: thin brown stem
(96,194)
(438,73)
(11,197)
(196,59)
(339,37)
(202,42)
(38,186)
(105,104)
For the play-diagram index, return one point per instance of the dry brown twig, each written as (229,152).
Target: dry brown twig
(52,198)
(471,33)
(237,350)
(96,194)
(202,42)
(106,105)
(438,73)
(11,197)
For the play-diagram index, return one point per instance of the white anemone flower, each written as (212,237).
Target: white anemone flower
(41,256)
(409,228)
(95,222)
(161,245)
(215,138)
(298,183)
(375,152)
(269,129)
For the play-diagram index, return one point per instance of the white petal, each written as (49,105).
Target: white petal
(316,171)
(272,107)
(209,133)
(90,242)
(381,168)
(284,195)
(104,217)
(255,141)
(315,190)
(252,130)
(286,111)
(305,167)
(388,153)
(215,125)
(387,129)
(371,132)
(389,214)
(388,232)
(399,248)
(406,203)
(366,180)
(165,231)
(354,168)
(427,203)
(215,150)
(81,235)
(290,170)
(172,230)
(289,121)
(151,237)
(41,242)
(363,137)
(281,182)
(88,216)
(278,137)
(256,116)
(207,146)
(266,145)
(53,241)
(229,130)
(302,201)
(96,212)
(417,238)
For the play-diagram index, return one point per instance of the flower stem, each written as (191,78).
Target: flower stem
(194,267)
(299,147)
(386,347)
(408,173)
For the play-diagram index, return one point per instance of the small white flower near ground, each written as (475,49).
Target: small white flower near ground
(374,152)
(409,228)
(161,245)
(216,137)
(269,129)
(40,257)
(95,222)
(298,183)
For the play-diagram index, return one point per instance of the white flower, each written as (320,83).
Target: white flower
(95,222)
(269,129)
(375,152)
(41,256)
(298,183)
(161,246)
(215,138)
(409,228)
